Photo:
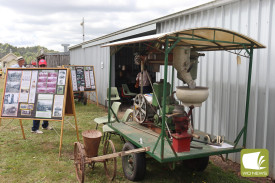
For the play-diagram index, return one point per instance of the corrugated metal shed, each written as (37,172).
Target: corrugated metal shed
(223,113)
(91,53)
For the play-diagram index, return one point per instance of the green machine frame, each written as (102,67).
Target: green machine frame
(170,40)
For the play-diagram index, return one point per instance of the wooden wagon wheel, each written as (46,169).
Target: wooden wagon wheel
(140,108)
(110,165)
(79,161)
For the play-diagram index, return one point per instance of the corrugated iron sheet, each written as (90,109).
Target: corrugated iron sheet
(98,57)
(223,112)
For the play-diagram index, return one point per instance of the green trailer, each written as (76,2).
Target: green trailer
(161,146)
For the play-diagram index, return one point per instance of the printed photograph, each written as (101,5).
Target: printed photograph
(13,87)
(58,105)
(87,68)
(62,72)
(57,112)
(25,112)
(51,90)
(24,90)
(60,90)
(44,105)
(42,79)
(61,77)
(11,98)
(43,74)
(42,85)
(30,107)
(52,74)
(10,110)
(33,84)
(14,76)
(23,106)
(52,79)
(51,85)
(41,90)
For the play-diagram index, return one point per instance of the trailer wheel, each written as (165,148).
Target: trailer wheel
(134,165)
(197,164)
(110,165)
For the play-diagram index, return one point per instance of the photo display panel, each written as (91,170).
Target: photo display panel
(34,93)
(82,78)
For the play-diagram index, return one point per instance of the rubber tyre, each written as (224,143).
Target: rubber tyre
(198,164)
(134,165)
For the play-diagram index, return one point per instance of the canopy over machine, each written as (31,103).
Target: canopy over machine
(163,124)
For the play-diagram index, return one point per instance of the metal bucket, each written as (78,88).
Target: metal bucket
(91,139)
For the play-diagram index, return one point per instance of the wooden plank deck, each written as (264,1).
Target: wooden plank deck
(134,132)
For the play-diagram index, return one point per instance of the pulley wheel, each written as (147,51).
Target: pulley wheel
(79,162)
(110,165)
(140,105)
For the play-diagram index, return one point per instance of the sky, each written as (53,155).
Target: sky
(51,23)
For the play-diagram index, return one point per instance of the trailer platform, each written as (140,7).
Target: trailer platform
(141,136)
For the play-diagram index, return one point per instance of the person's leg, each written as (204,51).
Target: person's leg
(36,124)
(45,124)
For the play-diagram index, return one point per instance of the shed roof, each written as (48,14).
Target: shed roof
(202,39)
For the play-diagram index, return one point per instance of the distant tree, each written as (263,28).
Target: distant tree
(29,53)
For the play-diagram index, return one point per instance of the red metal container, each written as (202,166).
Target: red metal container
(181,142)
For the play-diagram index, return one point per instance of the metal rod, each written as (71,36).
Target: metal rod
(207,40)
(109,96)
(114,114)
(164,97)
(156,144)
(239,136)
(172,82)
(248,96)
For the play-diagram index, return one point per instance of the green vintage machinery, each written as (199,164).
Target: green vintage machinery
(162,144)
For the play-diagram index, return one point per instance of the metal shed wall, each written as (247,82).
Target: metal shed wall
(98,57)
(223,112)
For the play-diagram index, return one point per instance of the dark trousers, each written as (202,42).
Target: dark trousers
(36,124)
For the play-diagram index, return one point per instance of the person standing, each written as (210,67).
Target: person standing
(143,79)
(20,63)
(36,123)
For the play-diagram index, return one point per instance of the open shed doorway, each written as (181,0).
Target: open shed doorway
(126,70)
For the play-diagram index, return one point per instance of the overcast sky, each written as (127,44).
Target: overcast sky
(50,23)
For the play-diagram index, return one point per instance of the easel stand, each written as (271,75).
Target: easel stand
(68,110)
(91,91)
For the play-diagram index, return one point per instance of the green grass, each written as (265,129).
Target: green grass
(36,158)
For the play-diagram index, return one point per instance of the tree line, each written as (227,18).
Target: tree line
(29,53)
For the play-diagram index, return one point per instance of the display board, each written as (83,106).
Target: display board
(83,78)
(35,93)
(38,94)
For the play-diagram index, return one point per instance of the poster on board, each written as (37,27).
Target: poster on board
(34,93)
(82,78)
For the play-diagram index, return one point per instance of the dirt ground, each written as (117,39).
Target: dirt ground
(235,168)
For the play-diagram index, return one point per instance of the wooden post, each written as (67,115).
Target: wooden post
(61,138)
(22,129)
(76,128)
